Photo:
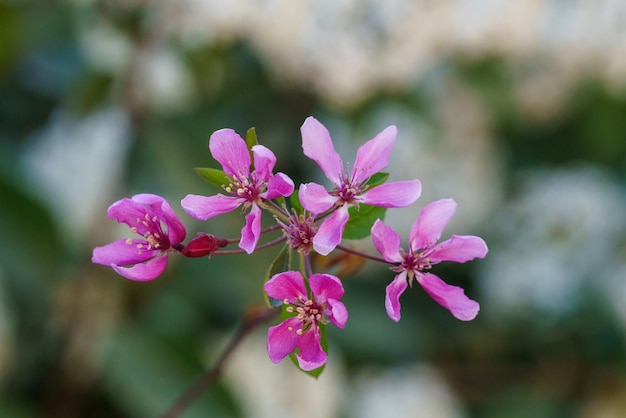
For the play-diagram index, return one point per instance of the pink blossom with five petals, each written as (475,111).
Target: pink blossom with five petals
(246,188)
(423,253)
(350,187)
(152,217)
(302,331)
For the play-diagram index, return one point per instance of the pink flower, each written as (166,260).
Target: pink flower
(154,220)
(350,187)
(246,188)
(302,331)
(423,253)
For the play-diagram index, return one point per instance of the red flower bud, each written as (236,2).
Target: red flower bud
(203,244)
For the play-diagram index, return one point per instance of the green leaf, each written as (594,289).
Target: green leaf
(377,179)
(213,175)
(282,262)
(361,221)
(251,139)
(295,202)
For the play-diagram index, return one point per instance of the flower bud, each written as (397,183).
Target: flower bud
(202,245)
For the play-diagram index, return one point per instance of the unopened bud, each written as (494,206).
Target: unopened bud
(203,245)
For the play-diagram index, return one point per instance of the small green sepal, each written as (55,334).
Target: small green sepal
(213,175)
(294,200)
(251,139)
(377,179)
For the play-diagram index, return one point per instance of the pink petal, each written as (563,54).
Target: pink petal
(203,207)
(459,249)
(148,199)
(373,156)
(311,354)
(251,232)
(325,286)
(144,271)
(450,297)
(133,213)
(282,339)
(279,185)
(230,150)
(264,161)
(286,285)
(330,232)
(398,194)
(392,296)
(315,198)
(121,253)
(386,241)
(175,229)
(318,146)
(432,220)
(338,313)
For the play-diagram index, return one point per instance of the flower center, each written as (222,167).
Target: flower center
(242,186)
(349,190)
(416,261)
(155,238)
(309,313)
(299,232)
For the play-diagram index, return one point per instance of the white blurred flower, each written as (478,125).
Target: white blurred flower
(267,390)
(347,49)
(452,156)
(161,80)
(76,164)
(555,237)
(416,391)
(105,48)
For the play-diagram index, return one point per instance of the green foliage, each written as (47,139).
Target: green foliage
(362,220)
(294,200)
(592,131)
(214,176)
(282,262)
(251,139)
(377,179)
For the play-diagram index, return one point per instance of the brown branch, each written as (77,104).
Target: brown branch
(254,317)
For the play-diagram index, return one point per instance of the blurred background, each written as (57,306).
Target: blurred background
(517,110)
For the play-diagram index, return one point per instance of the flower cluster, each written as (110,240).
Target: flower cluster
(311,218)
